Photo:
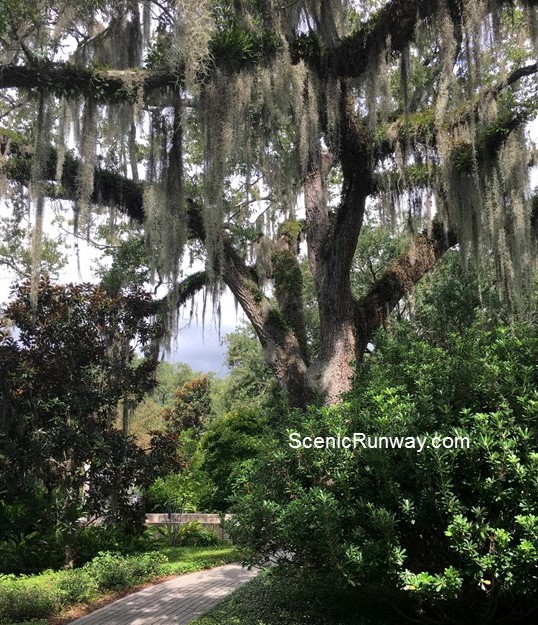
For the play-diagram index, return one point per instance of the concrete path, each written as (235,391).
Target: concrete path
(176,602)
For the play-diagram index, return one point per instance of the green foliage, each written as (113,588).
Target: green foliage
(188,534)
(129,267)
(20,551)
(17,14)
(229,441)
(111,537)
(187,559)
(77,586)
(63,375)
(285,597)
(187,491)
(238,48)
(250,382)
(183,420)
(191,407)
(148,415)
(444,531)
(15,232)
(19,603)
(112,571)
(40,596)
(376,249)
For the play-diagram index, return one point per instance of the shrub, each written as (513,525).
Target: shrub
(184,491)
(112,571)
(94,539)
(450,532)
(189,534)
(20,603)
(146,566)
(229,441)
(18,551)
(76,586)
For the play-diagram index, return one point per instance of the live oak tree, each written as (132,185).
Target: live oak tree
(186,114)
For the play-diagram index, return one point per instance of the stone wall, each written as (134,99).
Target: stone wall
(211,522)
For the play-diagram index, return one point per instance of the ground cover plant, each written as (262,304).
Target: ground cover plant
(292,598)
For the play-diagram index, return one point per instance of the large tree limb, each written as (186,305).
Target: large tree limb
(74,81)
(187,288)
(110,188)
(373,309)
(282,349)
(422,127)
(396,22)
(282,346)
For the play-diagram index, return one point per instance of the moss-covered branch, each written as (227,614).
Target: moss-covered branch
(110,188)
(232,51)
(427,248)
(288,281)
(72,81)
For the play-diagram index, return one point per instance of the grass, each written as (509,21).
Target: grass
(180,560)
(274,598)
(189,559)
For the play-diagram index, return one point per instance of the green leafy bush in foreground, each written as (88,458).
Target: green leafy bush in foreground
(76,586)
(447,534)
(19,603)
(29,598)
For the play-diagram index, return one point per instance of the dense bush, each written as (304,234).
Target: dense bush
(21,603)
(451,534)
(229,441)
(112,571)
(76,586)
(180,492)
(93,539)
(65,365)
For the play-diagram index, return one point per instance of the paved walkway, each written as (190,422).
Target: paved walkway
(176,602)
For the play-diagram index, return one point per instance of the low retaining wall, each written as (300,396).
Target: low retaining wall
(208,521)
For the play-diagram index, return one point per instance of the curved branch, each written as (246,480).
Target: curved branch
(373,309)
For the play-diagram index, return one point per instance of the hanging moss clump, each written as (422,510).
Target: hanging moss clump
(42,134)
(189,45)
(88,161)
(164,202)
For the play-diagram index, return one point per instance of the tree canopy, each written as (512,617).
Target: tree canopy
(234,130)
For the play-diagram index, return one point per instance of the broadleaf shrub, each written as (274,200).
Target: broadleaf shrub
(20,603)
(449,534)
(113,571)
(76,586)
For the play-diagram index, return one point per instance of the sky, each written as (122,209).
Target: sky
(198,343)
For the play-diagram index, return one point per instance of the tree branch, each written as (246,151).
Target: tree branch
(73,81)
(373,309)
(110,188)
(282,350)
(395,22)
